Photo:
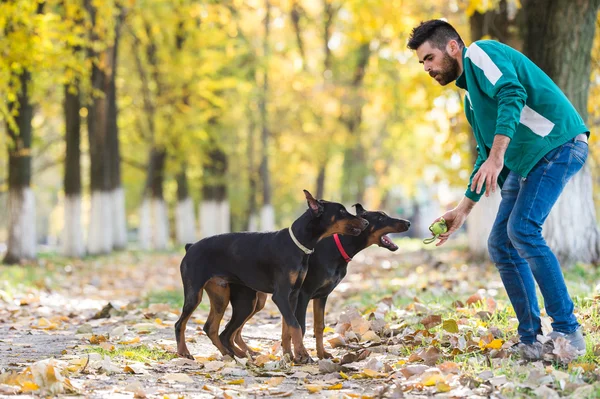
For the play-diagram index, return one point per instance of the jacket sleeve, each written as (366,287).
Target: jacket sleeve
(497,78)
(472,194)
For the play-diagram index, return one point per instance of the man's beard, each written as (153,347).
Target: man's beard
(449,72)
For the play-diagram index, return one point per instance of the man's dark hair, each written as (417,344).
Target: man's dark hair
(436,31)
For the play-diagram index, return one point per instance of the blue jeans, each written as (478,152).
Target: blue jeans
(520,252)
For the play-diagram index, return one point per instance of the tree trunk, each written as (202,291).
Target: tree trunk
(154,224)
(328,15)
(21,201)
(558,38)
(355,169)
(72,239)
(252,221)
(214,209)
(100,239)
(185,220)
(118,196)
(321,181)
(267,214)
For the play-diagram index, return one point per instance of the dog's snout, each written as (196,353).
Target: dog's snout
(407,223)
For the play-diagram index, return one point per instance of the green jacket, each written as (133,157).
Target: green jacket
(508,94)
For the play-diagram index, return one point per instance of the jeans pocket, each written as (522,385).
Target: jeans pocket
(552,154)
(579,151)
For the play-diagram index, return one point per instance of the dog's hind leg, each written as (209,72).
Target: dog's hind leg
(261,299)
(192,298)
(243,302)
(218,291)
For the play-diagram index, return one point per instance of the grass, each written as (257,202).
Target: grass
(173,298)
(141,353)
(14,279)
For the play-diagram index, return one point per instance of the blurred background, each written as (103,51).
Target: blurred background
(152,123)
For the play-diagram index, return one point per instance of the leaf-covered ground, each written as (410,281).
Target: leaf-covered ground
(414,323)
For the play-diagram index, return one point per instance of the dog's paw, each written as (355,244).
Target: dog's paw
(325,355)
(303,358)
(186,356)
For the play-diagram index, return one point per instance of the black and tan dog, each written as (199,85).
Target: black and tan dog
(327,268)
(271,262)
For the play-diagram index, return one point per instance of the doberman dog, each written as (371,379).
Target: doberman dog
(271,262)
(327,268)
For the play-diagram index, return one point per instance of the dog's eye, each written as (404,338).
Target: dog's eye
(342,211)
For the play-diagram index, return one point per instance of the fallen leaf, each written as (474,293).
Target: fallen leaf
(352,357)
(413,369)
(274,381)
(430,356)
(370,336)
(313,388)
(96,339)
(495,344)
(328,366)
(107,346)
(431,321)
(178,377)
(473,299)
(128,370)
(373,374)
(335,387)
(431,378)
(451,326)
(564,351)
(449,367)
(236,382)
(131,341)
(337,341)
(261,360)
(442,387)
(214,366)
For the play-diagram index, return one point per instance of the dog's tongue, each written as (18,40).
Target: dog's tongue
(388,243)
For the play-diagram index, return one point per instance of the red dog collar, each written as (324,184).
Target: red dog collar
(341,249)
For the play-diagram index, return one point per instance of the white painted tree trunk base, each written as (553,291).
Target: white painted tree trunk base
(254,222)
(72,243)
(214,218)
(185,222)
(100,237)
(570,229)
(119,219)
(160,237)
(267,218)
(21,225)
(153,231)
(145,226)
(480,223)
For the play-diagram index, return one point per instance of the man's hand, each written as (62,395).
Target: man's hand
(491,168)
(487,174)
(455,218)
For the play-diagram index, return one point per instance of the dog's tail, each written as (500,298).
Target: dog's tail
(187,246)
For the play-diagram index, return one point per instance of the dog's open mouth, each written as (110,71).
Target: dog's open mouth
(386,242)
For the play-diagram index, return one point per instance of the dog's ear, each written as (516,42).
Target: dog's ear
(359,209)
(315,206)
